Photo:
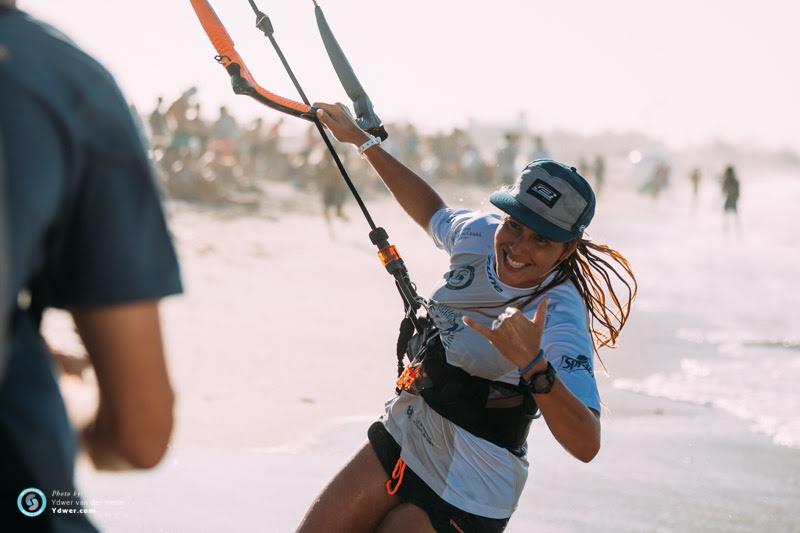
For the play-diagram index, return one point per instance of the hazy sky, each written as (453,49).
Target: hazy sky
(685,70)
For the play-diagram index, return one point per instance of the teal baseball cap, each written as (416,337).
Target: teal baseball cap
(550,198)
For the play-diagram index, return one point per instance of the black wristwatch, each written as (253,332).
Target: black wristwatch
(542,382)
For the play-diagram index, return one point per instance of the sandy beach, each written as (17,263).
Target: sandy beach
(664,467)
(281,353)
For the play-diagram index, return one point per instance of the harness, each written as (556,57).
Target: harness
(492,410)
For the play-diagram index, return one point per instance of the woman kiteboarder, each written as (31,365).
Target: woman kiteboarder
(512,333)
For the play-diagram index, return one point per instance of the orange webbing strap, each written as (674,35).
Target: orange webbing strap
(227,55)
(397,474)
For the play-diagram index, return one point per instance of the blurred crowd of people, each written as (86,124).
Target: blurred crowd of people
(222,161)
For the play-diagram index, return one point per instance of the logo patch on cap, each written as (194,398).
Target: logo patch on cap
(544,192)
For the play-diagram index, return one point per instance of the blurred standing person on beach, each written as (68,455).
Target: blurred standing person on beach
(177,155)
(87,234)
(332,188)
(225,134)
(158,125)
(410,146)
(658,180)
(539,151)
(512,330)
(507,158)
(276,162)
(730,190)
(198,130)
(253,149)
(694,178)
(304,159)
(583,166)
(178,126)
(599,174)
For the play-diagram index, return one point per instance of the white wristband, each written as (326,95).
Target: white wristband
(372,141)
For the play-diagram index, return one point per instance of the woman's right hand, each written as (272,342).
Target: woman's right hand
(516,336)
(337,118)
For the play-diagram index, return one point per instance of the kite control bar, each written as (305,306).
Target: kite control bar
(244,83)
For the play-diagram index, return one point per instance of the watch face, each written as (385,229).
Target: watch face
(540,382)
(543,381)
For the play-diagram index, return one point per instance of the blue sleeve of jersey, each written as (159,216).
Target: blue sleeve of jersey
(446,226)
(462,231)
(568,346)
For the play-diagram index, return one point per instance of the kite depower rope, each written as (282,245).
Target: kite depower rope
(244,83)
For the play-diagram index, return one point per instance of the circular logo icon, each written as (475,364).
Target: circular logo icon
(460,277)
(31,502)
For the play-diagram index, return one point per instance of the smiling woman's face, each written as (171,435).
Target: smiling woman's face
(524,258)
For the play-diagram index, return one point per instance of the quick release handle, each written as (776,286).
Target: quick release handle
(391,260)
(379,238)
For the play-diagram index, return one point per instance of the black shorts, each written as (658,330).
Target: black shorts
(445,518)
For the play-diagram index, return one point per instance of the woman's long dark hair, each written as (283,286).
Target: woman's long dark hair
(591,268)
(595,269)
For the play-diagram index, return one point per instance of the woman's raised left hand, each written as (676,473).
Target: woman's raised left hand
(338,119)
(514,335)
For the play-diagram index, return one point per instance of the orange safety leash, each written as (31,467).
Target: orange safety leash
(397,474)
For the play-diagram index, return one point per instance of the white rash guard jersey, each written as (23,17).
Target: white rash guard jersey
(464,470)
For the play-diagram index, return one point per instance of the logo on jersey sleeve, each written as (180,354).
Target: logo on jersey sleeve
(460,277)
(580,362)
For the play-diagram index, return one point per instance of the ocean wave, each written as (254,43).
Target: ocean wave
(770,403)
(729,339)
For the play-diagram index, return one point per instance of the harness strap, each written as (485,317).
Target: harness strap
(465,400)
(406,332)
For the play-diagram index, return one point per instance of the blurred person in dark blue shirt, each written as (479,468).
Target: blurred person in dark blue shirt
(87,234)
